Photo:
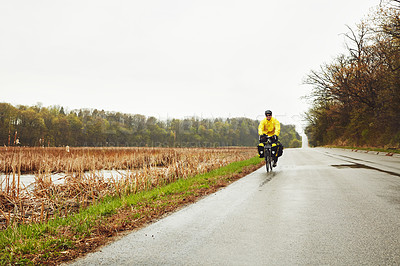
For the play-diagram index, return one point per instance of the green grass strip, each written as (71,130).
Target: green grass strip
(44,240)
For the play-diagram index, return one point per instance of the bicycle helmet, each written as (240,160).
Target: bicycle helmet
(268,112)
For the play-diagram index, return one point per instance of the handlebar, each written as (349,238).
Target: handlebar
(266,138)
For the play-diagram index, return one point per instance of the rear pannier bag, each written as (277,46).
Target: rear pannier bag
(280,149)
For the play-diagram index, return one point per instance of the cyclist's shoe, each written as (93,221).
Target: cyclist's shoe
(274,165)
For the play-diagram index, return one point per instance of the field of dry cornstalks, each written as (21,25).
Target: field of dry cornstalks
(83,180)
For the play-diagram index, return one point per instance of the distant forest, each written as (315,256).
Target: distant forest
(53,126)
(356,97)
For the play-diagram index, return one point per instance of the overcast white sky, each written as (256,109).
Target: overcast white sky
(170,58)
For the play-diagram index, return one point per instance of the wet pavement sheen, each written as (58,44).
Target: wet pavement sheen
(319,206)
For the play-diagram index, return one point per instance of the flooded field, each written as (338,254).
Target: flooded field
(37,183)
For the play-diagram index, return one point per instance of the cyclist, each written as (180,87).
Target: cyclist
(271,127)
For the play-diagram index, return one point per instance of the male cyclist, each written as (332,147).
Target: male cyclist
(271,127)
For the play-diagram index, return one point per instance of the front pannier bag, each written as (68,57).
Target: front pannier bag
(277,149)
(260,148)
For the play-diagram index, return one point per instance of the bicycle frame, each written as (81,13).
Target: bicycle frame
(268,154)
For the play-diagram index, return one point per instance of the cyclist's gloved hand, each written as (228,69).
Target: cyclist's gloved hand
(263,138)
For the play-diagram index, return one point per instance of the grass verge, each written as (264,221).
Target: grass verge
(64,239)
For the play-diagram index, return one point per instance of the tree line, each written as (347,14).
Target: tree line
(356,97)
(53,126)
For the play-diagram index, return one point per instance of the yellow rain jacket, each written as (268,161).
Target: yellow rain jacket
(271,127)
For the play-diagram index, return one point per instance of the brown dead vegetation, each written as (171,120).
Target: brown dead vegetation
(83,182)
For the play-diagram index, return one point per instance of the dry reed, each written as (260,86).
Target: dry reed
(84,182)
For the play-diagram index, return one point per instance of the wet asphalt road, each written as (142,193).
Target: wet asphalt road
(319,206)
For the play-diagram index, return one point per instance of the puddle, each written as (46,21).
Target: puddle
(363,166)
(341,166)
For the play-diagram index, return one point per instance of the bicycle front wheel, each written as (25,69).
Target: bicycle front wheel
(268,160)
